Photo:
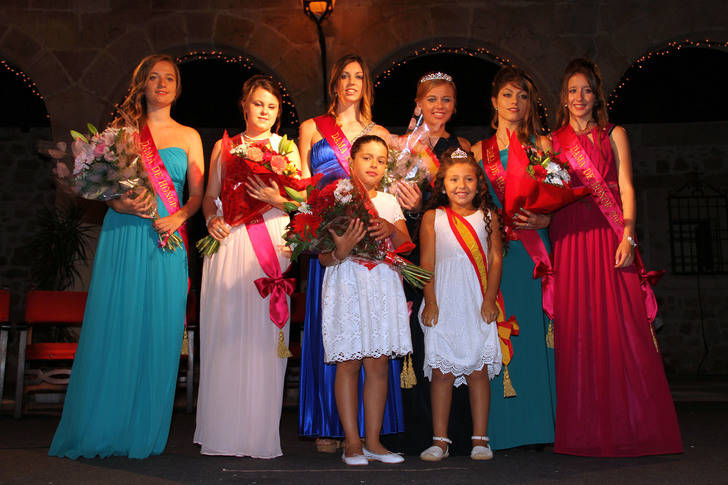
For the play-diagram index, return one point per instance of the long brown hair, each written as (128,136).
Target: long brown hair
(531,124)
(133,110)
(267,83)
(367,91)
(482,199)
(594,78)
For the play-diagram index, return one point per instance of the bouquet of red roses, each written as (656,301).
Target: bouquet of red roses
(537,181)
(334,207)
(240,162)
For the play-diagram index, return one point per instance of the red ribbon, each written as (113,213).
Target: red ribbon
(277,288)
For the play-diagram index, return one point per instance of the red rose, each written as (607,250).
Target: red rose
(539,171)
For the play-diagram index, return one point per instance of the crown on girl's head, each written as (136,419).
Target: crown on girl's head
(459,154)
(436,76)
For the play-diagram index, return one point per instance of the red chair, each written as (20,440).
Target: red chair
(44,308)
(4,329)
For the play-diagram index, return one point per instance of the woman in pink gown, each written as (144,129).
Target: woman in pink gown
(612,394)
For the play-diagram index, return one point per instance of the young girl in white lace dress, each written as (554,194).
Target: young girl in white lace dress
(364,312)
(462,241)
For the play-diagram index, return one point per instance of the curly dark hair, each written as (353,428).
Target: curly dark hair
(482,199)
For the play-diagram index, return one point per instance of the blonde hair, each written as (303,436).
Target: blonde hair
(367,92)
(133,110)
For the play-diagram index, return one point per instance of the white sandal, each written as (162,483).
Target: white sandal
(434,452)
(480,452)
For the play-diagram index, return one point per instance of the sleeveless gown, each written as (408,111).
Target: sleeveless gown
(317,414)
(613,398)
(241,376)
(527,418)
(120,396)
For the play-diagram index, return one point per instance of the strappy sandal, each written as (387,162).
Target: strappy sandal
(480,452)
(434,452)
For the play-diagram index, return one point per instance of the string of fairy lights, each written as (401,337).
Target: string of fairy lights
(440,48)
(246,63)
(29,84)
(669,49)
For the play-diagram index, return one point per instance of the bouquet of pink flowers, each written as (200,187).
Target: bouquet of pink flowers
(333,207)
(107,165)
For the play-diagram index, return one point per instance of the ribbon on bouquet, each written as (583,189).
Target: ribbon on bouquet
(470,243)
(274,285)
(605,199)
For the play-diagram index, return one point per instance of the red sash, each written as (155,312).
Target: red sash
(336,138)
(161,181)
(275,284)
(470,242)
(531,240)
(603,197)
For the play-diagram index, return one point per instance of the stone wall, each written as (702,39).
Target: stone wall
(665,157)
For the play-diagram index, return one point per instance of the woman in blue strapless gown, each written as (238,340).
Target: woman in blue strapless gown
(527,418)
(120,396)
(350,89)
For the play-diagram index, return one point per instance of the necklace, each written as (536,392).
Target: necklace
(586,129)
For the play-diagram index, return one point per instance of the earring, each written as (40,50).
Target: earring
(444,191)
(496,109)
(566,106)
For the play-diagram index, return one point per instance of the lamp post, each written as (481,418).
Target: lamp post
(318,11)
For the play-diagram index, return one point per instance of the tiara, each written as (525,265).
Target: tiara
(459,154)
(436,76)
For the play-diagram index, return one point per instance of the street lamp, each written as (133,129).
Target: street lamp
(318,11)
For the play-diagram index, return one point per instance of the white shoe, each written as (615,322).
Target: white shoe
(434,452)
(356,460)
(387,457)
(480,452)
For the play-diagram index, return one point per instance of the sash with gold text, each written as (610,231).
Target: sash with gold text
(603,197)
(336,138)
(532,242)
(161,181)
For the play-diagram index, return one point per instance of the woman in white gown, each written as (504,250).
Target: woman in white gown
(241,373)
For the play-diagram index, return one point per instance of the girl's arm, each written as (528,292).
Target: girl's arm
(622,157)
(489,309)
(354,233)
(427,261)
(216,225)
(195,185)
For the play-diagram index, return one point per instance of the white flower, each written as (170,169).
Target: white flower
(304,208)
(343,187)
(552,167)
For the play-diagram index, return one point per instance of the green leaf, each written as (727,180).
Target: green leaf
(295,195)
(78,136)
(91,128)
(290,207)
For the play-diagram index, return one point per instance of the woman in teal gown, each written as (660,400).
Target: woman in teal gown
(527,418)
(121,392)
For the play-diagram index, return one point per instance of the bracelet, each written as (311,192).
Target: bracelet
(336,260)
(631,241)
(209,218)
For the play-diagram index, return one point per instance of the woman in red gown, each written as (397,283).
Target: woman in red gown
(612,394)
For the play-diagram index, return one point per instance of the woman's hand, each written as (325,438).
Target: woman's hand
(218,228)
(430,314)
(625,254)
(259,190)
(140,205)
(489,311)
(354,233)
(169,224)
(409,196)
(381,228)
(526,219)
